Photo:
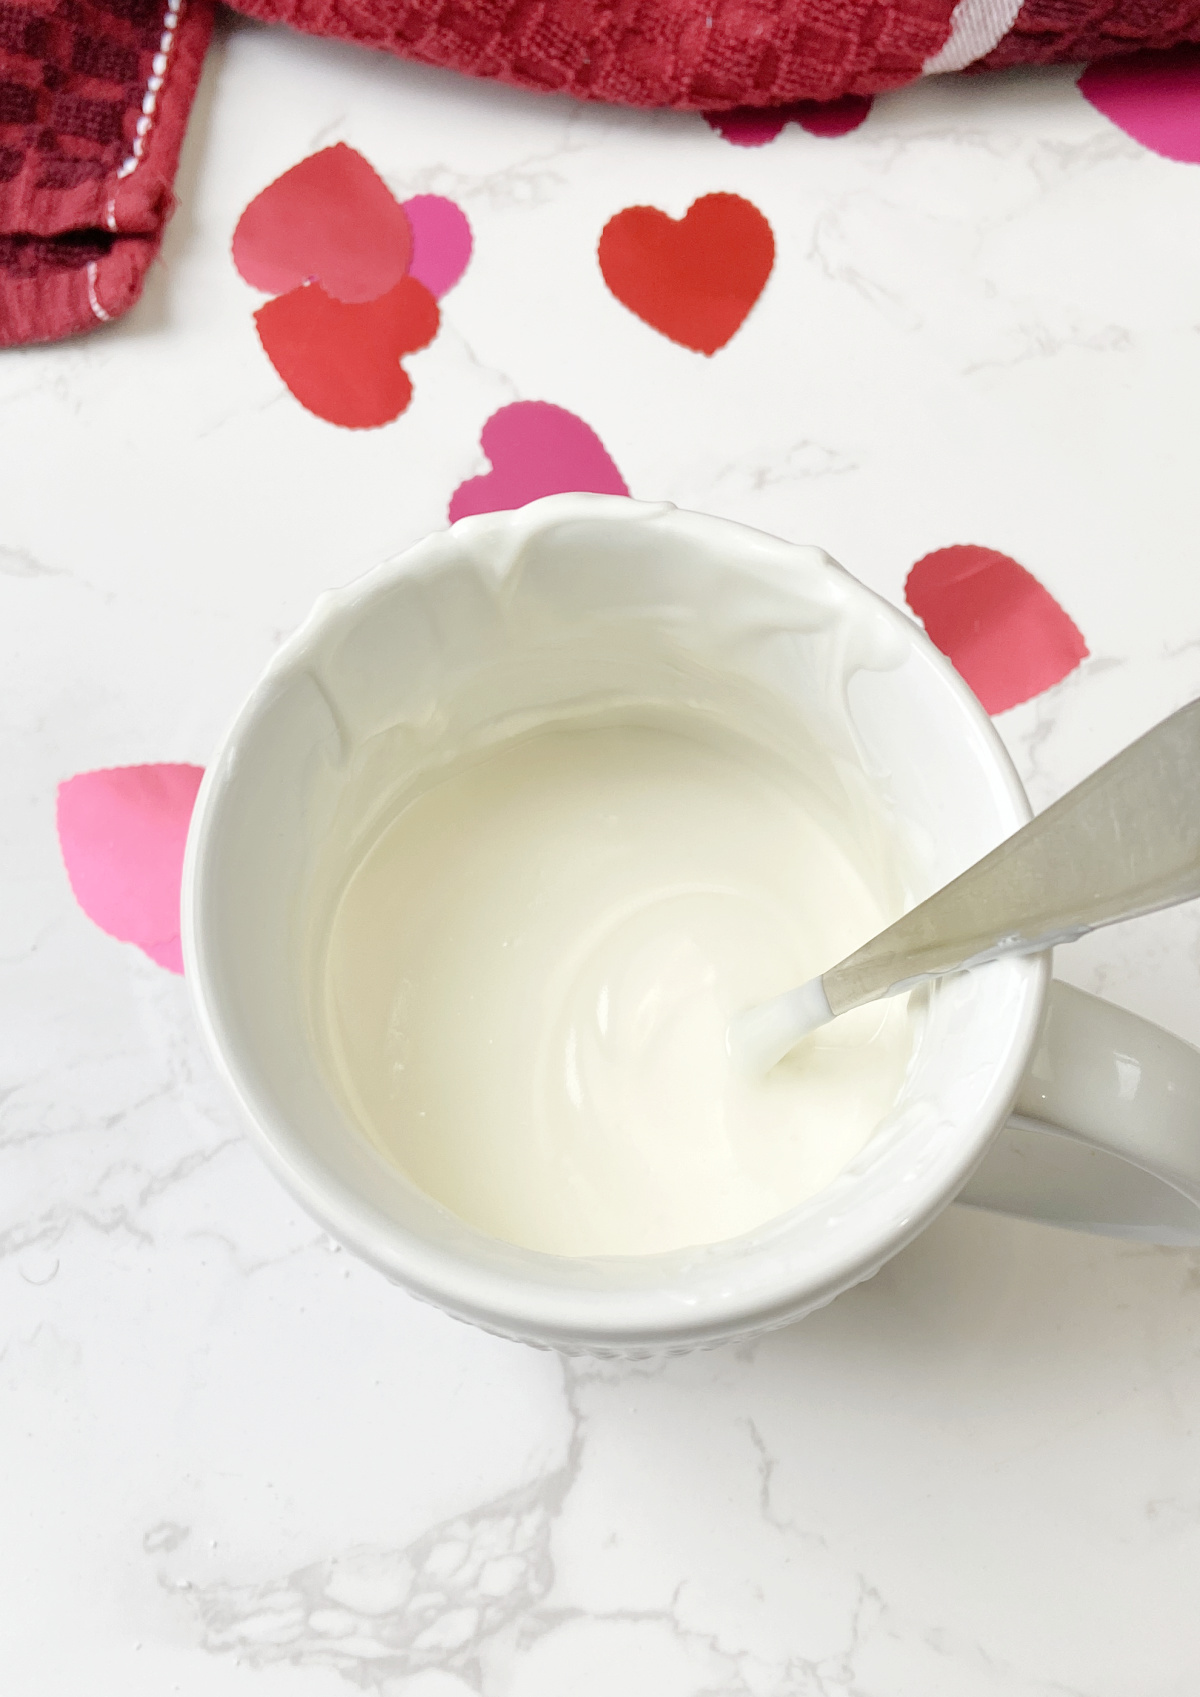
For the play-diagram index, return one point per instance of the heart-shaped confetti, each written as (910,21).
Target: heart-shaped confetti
(343,362)
(693,279)
(1005,634)
(1153,97)
(441,239)
(331,219)
(755,126)
(122,833)
(536,449)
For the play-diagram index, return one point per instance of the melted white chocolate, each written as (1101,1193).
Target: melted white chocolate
(530,972)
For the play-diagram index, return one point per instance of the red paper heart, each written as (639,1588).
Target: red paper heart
(343,362)
(695,278)
(331,218)
(1005,634)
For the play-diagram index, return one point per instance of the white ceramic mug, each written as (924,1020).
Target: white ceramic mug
(1024,1095)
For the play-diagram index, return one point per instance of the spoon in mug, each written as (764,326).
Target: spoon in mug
(1125,841)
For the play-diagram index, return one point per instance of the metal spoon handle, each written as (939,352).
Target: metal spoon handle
(1123,842)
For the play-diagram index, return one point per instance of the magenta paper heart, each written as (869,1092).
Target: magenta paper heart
(755,126)
(441,242)
(1153,97)
(122,833)
(536,449)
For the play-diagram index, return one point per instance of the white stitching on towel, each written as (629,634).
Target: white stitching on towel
(93,297)
(975,28)
(149,102)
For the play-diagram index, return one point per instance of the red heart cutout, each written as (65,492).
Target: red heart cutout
(1005,634)
(693,279)
(343,362)
(330,218)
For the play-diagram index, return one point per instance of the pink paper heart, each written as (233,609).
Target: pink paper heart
(536,449)
(331,218)
(1153,97)
(1002,630)
(441,240)
(755,126)
(122,833)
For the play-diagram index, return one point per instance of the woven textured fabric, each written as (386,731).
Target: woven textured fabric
(1046,31)
(697,54)
(94,97)
(717,54)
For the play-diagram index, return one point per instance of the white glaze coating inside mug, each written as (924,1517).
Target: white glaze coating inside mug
(531,973)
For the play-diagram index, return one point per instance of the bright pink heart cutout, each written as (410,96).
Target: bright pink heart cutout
(122,833)
(755,126)
(331,219)
(1006,635)
(536,449)
(441,240)
(747,126)
(1153,97)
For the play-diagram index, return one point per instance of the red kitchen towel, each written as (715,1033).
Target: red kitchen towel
(94,97)
(94,94)
(715,54)
(1053,31)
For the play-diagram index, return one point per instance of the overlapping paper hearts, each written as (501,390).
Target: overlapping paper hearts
(357,276)
(693,279)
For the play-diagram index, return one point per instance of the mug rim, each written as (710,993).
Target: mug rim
(567,1317)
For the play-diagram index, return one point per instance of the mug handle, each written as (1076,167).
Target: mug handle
(1104,1135)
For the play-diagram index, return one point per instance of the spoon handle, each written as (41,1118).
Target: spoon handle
(1123,842)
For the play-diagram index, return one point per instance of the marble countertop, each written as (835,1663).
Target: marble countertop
(235,1461)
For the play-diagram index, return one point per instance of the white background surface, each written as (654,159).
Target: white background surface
(232,1461)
